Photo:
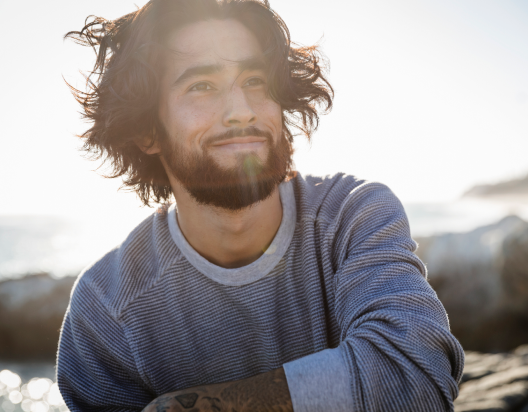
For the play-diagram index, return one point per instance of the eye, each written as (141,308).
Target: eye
(200,87)
(255,81)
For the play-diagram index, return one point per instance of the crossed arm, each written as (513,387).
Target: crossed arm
(265,392)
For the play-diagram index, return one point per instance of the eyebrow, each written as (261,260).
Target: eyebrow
(252,63)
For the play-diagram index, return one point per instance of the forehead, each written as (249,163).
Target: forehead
(212,42)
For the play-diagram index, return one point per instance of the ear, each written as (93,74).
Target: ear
(148,145)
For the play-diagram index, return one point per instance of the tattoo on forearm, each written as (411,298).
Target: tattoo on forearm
(215,404)
(160,404)
(187,400)
(267,392)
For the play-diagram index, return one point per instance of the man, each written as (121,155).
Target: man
(259,289)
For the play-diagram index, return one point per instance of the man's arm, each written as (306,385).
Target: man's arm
(396,351)
(265,392)
(96,371)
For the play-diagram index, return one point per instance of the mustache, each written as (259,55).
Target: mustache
(236,132)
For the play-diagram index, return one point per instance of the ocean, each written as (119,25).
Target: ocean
(29,387)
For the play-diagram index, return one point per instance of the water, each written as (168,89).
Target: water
(63,246)
(55,245)
(29,387)
(462,215)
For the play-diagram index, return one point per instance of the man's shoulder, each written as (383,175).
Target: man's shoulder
(350,214)
(130,268)
(328,197)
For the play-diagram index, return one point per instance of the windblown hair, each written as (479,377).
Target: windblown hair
(121,100)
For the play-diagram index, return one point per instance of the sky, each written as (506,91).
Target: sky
(431,99)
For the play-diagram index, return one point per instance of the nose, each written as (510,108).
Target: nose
(238,111)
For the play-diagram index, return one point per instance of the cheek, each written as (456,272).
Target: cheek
(189,119)
(274,113)
(269,112)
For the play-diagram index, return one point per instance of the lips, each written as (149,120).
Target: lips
(240,140)
(250,136)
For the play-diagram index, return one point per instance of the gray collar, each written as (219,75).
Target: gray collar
(259,268)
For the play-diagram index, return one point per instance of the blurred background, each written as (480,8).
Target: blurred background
(431,99)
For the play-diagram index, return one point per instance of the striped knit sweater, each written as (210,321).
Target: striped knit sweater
(339,299)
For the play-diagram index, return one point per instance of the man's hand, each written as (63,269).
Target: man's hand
(260,393)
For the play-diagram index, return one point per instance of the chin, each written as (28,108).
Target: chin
(241,160)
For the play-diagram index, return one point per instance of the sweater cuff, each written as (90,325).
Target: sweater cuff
(320,382)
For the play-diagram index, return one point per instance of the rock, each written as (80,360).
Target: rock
(514,274)
(479,365)
(484,367)
(31,313)
(482,406)
(514,187)
(494,382)
(497,379)
(522,351)
(481,277)
(503,398)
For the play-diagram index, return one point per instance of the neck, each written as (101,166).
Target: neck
(229,239)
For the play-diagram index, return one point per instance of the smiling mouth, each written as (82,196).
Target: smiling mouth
(240,141)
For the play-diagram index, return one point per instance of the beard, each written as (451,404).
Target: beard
(248,182)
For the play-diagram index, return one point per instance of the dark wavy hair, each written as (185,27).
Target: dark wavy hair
(121,97)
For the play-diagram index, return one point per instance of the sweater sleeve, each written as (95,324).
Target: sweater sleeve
(396,351)
(95,367)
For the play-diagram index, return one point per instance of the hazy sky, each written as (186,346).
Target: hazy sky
(431,98)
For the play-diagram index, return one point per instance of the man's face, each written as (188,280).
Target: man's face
(223,133)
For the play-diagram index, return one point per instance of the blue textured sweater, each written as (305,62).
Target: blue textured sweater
(339,299)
